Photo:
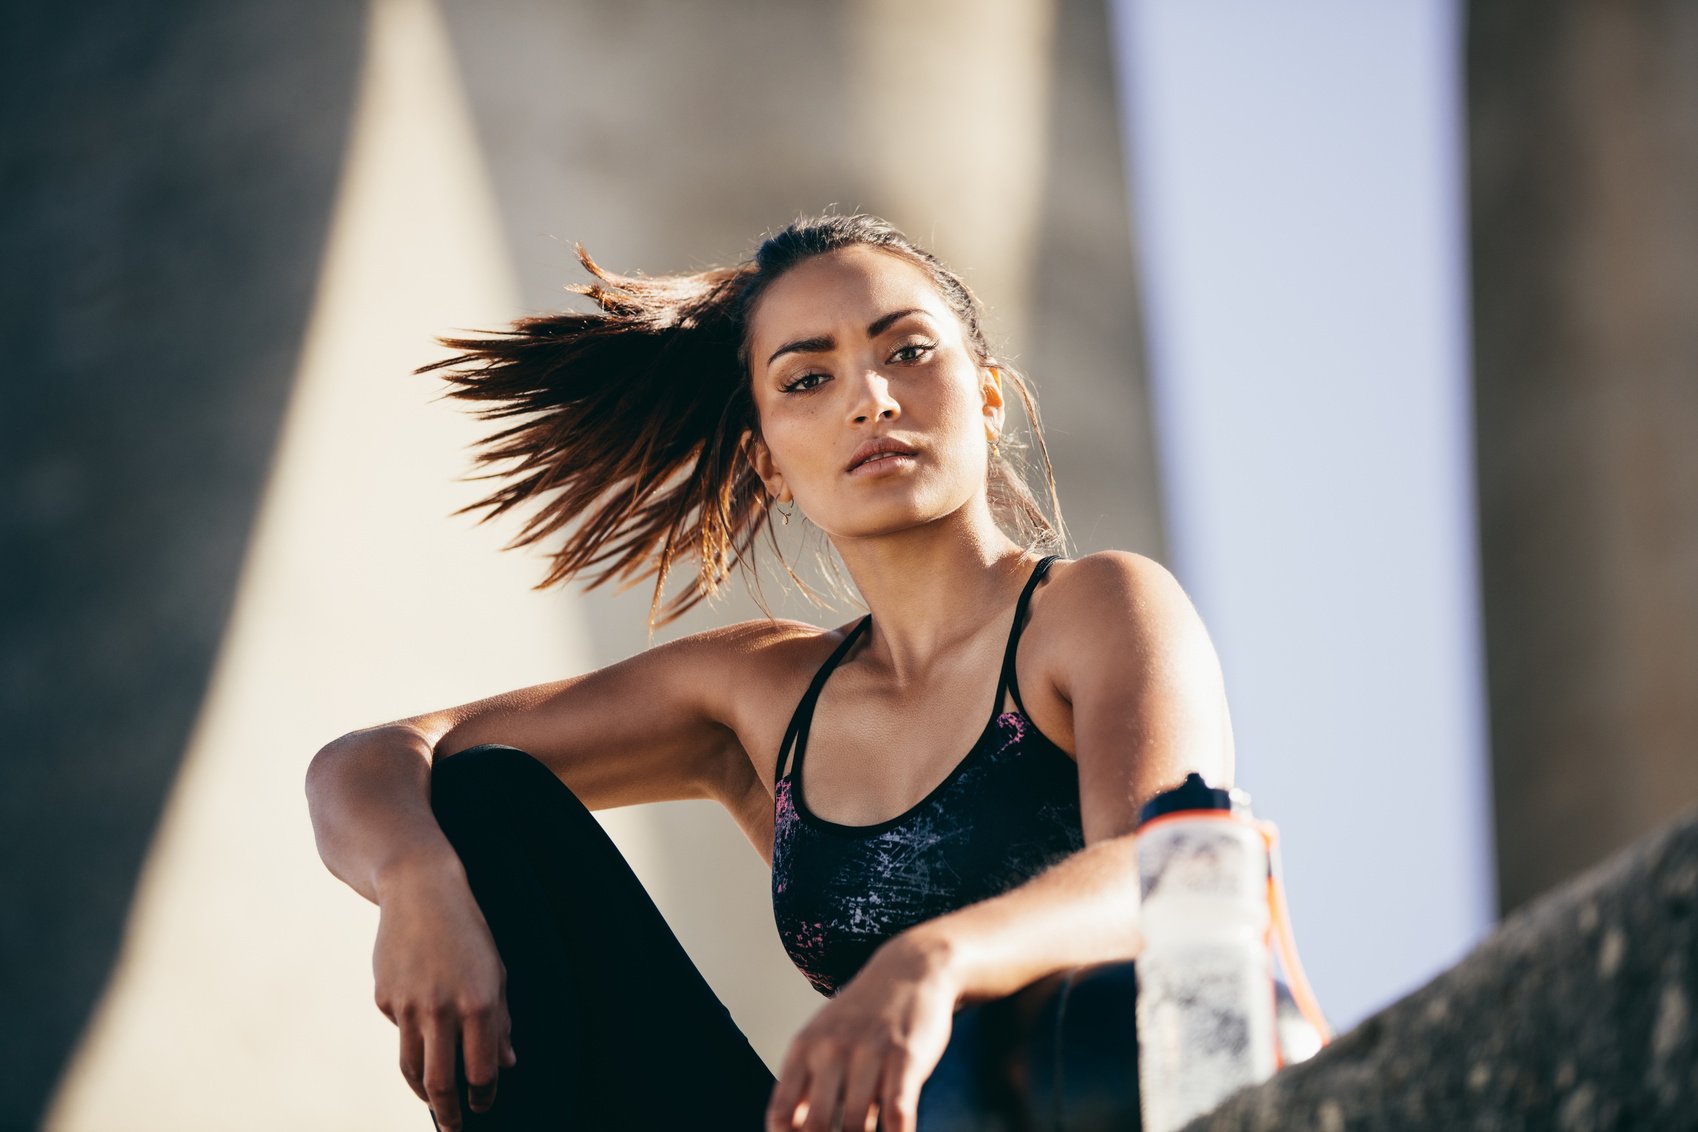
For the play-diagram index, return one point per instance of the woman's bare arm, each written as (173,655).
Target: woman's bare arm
(369,797)
(653,727)
(1149,707)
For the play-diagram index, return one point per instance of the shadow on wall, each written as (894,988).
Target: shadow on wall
(168,181)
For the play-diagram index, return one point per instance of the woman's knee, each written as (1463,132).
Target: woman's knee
(1065,1044)
(495,773)
(1079,1057)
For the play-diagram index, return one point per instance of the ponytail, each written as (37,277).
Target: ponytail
(630,418)
(621,417)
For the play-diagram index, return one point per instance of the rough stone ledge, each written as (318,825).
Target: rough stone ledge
(1577,1013)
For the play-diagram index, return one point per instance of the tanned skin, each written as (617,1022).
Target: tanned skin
(1115,667)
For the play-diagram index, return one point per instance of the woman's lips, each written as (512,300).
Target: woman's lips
(883,464)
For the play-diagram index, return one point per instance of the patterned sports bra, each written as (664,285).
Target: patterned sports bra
(1007,811)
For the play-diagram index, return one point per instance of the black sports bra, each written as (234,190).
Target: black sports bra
(1007,811)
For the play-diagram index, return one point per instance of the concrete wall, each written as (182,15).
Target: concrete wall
(1584,154)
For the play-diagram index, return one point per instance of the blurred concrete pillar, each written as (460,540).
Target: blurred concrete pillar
(246,968)
(165,185)
(948,105)
(1085,336)
(1584,151)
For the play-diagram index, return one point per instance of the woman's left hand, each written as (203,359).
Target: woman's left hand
(868,1050)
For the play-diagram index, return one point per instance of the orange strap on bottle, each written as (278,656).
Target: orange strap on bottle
(1286,941)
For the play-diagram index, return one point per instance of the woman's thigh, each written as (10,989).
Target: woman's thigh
(613,1025)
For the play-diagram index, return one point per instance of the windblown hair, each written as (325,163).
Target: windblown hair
(633,417)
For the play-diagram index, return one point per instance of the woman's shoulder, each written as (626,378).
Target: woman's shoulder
(760,670)
(1083,597)
(769,641)
(765,658)
(1102,583)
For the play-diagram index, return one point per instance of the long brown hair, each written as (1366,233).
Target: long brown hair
(632,418)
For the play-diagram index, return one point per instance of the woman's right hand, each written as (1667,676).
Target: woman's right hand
(441,981)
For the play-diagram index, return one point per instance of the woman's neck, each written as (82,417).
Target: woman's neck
(930,595)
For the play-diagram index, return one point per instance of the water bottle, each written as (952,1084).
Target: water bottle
(1205,1013)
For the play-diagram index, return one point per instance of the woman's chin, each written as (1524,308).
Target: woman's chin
(895,518)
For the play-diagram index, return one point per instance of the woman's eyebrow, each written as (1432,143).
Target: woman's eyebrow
(882,323)
(824,342)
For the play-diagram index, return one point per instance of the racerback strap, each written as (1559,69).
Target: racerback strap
(1009,680)
(802,718)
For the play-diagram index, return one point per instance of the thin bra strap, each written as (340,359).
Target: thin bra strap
(803,716)
(1008,679)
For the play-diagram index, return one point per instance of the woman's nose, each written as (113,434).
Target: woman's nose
(873,397)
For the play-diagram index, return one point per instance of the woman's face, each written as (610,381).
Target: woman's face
(857,344)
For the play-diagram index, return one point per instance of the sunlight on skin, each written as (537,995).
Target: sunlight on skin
(948,405)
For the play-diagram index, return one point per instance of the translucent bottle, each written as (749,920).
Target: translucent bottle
(1206,1022)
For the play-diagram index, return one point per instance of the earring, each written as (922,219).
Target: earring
(995,447)
(782,512)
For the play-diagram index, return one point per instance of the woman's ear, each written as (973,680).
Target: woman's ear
(760,459)
(995,408)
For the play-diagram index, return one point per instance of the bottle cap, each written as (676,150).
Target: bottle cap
(1194,794)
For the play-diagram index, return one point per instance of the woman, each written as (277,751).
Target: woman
(842,374)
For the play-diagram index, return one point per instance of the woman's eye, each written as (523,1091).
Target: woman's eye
(797,386)
(914,350)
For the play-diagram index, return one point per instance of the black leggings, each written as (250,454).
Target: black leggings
(615,1029)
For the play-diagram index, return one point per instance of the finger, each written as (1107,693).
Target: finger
(786,1095)
(861,1091)
(825,1096)
(412,1055)
(509,1058)
(899,1101)
(441,1041)
(483,1035)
